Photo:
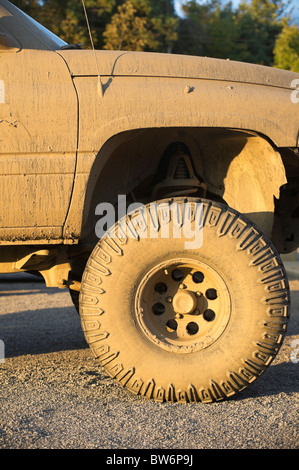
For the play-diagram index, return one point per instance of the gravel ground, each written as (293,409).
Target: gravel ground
(53,396)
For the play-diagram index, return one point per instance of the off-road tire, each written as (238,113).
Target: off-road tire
(241,280)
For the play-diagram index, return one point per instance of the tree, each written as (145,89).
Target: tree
(260,23)
(223,33)
(28,6)
(247,33)
(130,28)
(134,27)
(67,19)
(193,27)
(286,50)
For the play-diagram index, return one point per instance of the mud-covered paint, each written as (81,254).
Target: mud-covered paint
(38,141)
(2,92)
(54,122)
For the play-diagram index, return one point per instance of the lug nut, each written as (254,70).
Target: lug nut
(211,294)
(178,316)
(158,309)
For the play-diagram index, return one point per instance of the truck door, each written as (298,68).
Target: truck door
(38,140)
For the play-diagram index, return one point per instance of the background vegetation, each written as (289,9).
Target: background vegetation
(257,31)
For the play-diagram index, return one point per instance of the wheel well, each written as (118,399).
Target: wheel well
(236,167)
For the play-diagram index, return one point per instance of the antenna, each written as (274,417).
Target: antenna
(100,87)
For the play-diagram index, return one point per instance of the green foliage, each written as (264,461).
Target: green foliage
(130,28)
(139,25)
(28,6)
(286,51)
(260,24)
(247,33)
(258,31)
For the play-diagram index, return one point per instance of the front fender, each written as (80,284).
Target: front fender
(148,102)
(132,103)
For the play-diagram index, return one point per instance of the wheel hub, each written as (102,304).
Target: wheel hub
(184,302)
(182,305)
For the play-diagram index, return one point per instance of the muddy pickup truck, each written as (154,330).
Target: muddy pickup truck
(160,190)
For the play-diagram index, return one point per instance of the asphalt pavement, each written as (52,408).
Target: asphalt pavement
(54,396)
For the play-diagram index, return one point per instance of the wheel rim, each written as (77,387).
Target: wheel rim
(182,305)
